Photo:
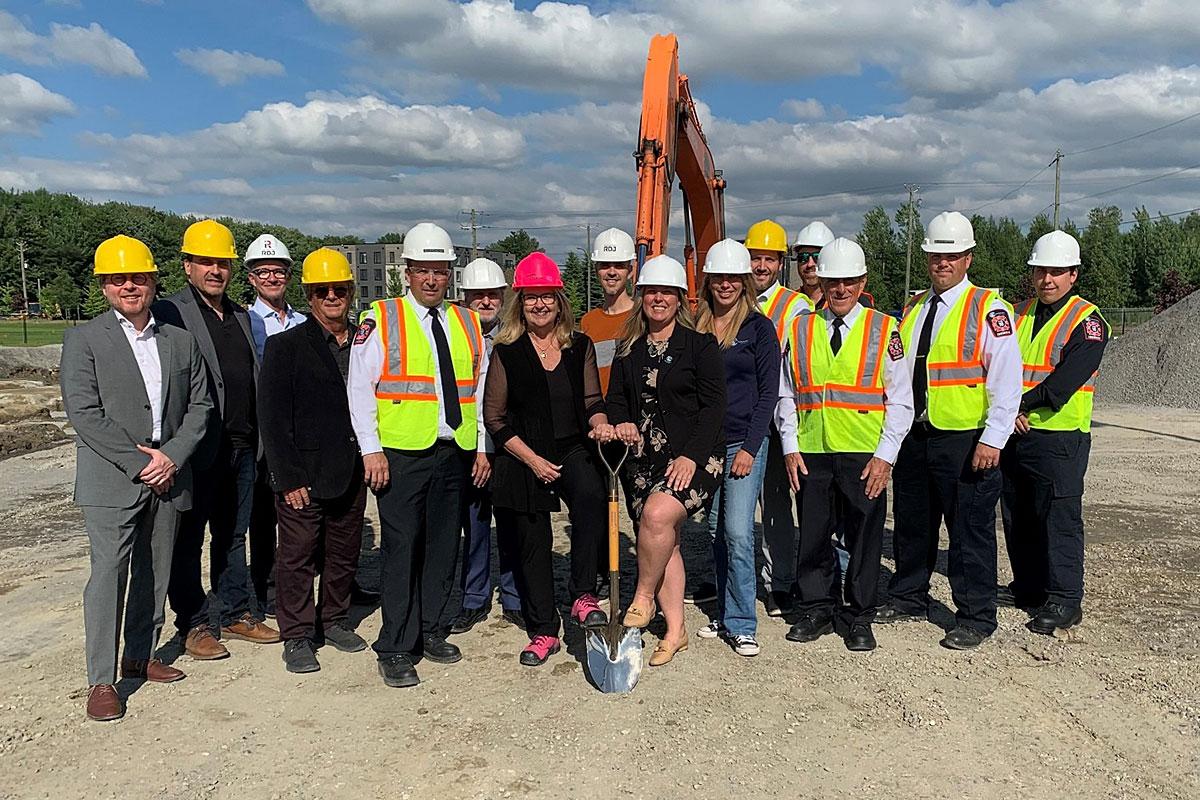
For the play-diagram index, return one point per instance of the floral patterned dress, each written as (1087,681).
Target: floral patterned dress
(647,464)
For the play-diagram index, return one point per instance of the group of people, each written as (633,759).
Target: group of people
(193,412)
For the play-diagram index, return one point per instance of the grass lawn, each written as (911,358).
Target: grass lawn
(41,331)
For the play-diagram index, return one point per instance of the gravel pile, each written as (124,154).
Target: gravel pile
(1158,362)
(31,363)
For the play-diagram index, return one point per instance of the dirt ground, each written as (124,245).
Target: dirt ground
(1113,711)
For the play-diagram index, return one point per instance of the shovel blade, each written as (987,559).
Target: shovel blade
(619,674)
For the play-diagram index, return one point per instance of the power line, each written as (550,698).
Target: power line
(1135,183)
(1134,136)
(1162,216)
(977,209)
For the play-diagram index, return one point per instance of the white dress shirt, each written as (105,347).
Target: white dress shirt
(1002,365)
(366,365)
(145,352)
(265,322)
(897,395)
(797,309)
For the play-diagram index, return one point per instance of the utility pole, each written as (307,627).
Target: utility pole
(1058,154)
(473,227)
(912,191)
(587,265)
(24,294)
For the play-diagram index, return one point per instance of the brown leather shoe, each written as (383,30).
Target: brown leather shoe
(203,646)
(251,630)
(153,670)
(103,703)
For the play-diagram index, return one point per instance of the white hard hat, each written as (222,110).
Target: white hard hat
(949,232)
(841,258)
(814,234)
(427,242)
(1055,249)
(482,273)
(267,247)
(613,244)
(663,271)
(727,257)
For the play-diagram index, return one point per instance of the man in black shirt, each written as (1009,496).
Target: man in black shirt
(225,462)
(1062,339)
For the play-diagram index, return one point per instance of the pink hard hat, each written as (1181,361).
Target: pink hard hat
(537,270)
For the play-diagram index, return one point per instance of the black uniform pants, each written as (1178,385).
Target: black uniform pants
(833,497)
(420,515)
(581,486)
(932,481)
(262,539)
(1042,508)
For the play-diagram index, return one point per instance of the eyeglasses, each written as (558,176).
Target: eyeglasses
(323,291)
(430,272)
(534,299)
(136,278)
(270,272)
(802,258)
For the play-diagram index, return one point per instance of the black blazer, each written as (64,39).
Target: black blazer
(526,414)
(691,392)
(304,416)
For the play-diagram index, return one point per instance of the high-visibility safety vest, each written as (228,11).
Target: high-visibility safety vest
(956,379)
(1040,355)
(839,398)
(779,306)
(406,394)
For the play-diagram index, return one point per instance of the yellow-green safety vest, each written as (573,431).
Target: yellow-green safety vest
(956,379)
(780,305)
(839,398)
(406,394)
(1040,355)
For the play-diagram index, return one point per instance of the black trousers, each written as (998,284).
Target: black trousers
(833,497)
(1042,508)
(420,515)
(932,481)
(261,541)
(582,488)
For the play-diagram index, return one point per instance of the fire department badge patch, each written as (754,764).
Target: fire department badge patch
(365,329)
(1093,330)
(895,347)
(1000,324)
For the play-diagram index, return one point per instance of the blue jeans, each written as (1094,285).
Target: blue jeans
(731,526)
(477,557)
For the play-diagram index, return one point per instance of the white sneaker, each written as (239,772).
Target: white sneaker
(744,645)
(713,630)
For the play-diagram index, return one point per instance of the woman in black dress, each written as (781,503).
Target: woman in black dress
(667,400)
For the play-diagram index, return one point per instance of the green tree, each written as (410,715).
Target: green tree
(575,275)
(60,297)
(395,282)
(918,235)
(1104,276)
(518,242)
(885,261)
(391,237)
(95,303)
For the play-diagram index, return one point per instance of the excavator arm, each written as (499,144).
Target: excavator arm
(671,144)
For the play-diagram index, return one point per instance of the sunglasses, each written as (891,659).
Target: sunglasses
(802,258)
(322,291)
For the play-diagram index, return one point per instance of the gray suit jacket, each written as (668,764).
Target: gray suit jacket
(181,311)
(106,402)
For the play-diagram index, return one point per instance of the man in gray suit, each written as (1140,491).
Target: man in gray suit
(137,396)
(225,462)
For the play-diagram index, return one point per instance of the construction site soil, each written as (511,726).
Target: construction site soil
(1110,711)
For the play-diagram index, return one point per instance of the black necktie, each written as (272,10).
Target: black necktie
(446,371)
(836,341)
(920,371)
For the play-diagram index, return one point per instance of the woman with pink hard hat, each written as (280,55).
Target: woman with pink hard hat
(541,404)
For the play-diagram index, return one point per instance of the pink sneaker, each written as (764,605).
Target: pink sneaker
(538,650)
(586,611)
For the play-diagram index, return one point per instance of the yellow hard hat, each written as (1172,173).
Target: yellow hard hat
(210,239)
(767,234)
(122,255)
(325,265)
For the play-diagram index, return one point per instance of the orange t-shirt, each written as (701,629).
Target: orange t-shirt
(605,331)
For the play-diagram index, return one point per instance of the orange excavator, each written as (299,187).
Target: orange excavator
(671,143)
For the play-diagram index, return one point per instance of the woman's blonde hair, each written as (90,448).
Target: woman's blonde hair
(512,319)
(743,307)
(635,327)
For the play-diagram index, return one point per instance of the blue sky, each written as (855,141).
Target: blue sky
(362,116)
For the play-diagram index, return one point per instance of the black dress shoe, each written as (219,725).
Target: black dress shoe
(888,613)
(860,639)
(441,651)
(298,656)
(398,672)
(962,638)
(810,628)
(513,617)
(1053,616)
(344,639)
(361,597)
(1007,598)
(468,618)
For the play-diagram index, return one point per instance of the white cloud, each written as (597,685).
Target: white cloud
(26,105)
(69,44)
(810,108)
(225,187)
(228,67)
(99,180)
